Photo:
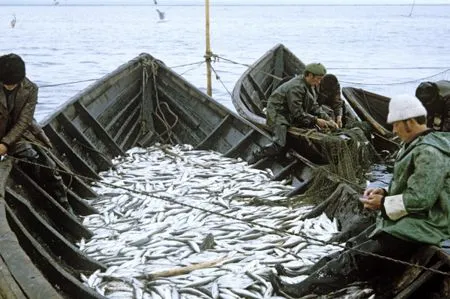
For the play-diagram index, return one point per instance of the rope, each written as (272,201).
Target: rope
(251,222)
(90,80)
(159,113)
(66,83)
(187,64)
(399,83)
(190,69)
(445,70)
(220,80)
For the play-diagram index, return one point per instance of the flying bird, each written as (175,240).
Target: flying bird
(161,14)
(156,2)
(13,21)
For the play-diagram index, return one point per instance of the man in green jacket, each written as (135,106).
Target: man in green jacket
(19,134)
(435,96)
(413,212)
(294,103)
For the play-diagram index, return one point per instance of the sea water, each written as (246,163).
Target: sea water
(379,48)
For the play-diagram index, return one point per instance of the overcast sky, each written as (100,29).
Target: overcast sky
(200,2)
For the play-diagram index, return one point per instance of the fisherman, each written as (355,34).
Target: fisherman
(294,103)
(413,212)
(435,96)
(329,97)
(19,133)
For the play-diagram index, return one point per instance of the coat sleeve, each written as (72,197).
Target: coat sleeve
(423,186)
(295,99)
(24,120)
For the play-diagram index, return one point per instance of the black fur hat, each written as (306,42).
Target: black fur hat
(12,69)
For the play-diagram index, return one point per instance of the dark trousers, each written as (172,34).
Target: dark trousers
(336,270)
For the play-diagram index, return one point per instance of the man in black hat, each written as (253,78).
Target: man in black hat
(18,131)
(435,96)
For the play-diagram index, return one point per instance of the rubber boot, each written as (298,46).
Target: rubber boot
(319,283)
(269,150)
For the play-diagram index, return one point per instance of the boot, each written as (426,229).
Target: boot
(320,282)
(269,150)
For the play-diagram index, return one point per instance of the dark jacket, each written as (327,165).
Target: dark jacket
(18,126)
(294,103)
(332,99)
(439,110)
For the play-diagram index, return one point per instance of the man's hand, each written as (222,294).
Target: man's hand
(3,149)
(339,121)
(373,191)
(332,124)
(323,124)
(373,202)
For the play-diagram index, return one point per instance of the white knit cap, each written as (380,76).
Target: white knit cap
(403,107)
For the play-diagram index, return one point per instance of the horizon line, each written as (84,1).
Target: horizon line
(262,4)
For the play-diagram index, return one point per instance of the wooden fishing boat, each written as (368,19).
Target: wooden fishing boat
(373,108)
(140,103)
(258,82)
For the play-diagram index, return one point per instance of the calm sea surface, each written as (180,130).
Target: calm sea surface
(378,48)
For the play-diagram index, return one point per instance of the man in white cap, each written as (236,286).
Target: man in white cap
(414,211)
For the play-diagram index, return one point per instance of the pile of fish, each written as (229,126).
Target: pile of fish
(176,222)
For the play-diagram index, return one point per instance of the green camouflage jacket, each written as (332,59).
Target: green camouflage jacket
(417,207)
(294,104)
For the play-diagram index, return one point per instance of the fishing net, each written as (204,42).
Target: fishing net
(336,186)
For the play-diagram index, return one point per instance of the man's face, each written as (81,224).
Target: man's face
(402,130)
(313,80)
(10,86)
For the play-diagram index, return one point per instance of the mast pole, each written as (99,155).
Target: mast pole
(208,53)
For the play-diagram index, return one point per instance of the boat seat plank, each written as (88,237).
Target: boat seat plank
(53,271)
(79,137)
(241,142)
(98,129)
(54,240)
(213,132)
(78,163)
(25,273)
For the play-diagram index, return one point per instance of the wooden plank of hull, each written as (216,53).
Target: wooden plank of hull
(362,101)
(54,272)
(64,149)
(78,137)
(76,183)
(40,199)
(60,248)
(22,270)
(97,129)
